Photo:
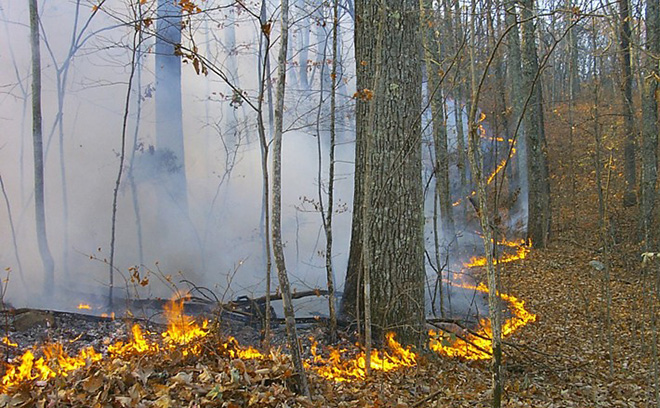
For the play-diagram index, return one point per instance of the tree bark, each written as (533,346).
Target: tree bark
(278,248)
(365,40)
(630,171)
(650,124)
(37,142)
(539,215)
(169,125)
(474,158)
(393,212)
(264,57)
(514,63)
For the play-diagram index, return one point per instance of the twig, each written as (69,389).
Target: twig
(428,398)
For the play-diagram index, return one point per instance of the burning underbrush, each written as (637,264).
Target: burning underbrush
(190,362)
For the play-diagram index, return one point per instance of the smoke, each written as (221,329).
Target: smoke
(218,242)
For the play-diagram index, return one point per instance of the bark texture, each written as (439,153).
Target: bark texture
(393,199)
(630,171)
(539,215)
(37,143)
(516,98)
(365,40)
(650,123)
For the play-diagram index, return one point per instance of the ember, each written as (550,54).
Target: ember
(84,306)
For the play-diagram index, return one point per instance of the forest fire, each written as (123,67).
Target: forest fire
(521,247)
(54,362)
(7,342)
(478,345)
(340,370)
(183,332)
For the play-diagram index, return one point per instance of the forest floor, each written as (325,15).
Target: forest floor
(561,360)
(564,359)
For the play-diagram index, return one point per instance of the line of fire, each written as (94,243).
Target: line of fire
(190,336)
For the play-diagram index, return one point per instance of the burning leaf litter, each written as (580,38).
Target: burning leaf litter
(186,337)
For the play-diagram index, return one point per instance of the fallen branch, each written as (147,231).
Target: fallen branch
(428,398)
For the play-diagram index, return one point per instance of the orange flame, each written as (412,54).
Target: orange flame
(235,350)
(182,330)
(55,362)
(478,345)
(138,345)
(7,342)
(522,249)
(84,306)
(340,370)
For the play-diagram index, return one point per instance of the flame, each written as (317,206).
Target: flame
(522,249)
(336,364)
(338,369)
(478,345)
(54,362)
(502,163)
(84,306)
(499,167)
(138,344)
(235,350)
(181,328)
(181,332)
(7,342)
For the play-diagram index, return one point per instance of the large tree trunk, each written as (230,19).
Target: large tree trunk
(514,62)
(393,208)
(169,125)
(539,215)
(365,40)
(458,107)
(278,248)
(650,123)
(37,140)
(629,196)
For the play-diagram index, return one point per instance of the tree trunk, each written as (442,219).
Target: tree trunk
(539,215)
(630,171)
(514,63)
(264,58)
(432,59)
(278,249)
(393,213)
(330,275)
(169,126)
(458,109)
(37,140)
(650,124)
(474,157)
(365,40)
